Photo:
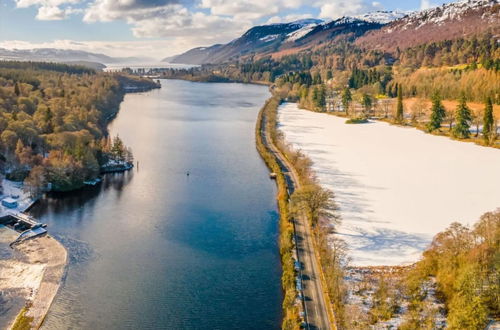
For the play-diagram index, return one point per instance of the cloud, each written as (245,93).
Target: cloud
(167,19)
(425,4)
(287,18)
(337,8)
(49,10)
(249,9)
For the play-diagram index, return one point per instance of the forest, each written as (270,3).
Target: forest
(449,67)
(53,121)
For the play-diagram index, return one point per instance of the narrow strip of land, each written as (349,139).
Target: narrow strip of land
(316,311)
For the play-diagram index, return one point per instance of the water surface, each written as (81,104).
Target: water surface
(157,249)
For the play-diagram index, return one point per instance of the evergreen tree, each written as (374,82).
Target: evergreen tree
(346,99)
(488,128)
(438,113)
(318,97)
(118,149)
(367,103)
(399,108)
(463,118)
(317,79)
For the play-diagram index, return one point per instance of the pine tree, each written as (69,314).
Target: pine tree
(463,118)
(488,128)
(346,99)
(399,108)
(438,113)
(367,103)
(318,97)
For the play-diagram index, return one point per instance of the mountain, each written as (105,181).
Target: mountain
(259,39)
(197,55)
(276,39)
(446,22)
(62,55)
(381,17)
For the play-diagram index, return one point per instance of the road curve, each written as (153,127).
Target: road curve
(316,312)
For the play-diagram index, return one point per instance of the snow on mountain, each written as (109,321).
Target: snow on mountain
(449,11)
(270,37)
(382,17)
(307,21)
(453,20)
(296,35)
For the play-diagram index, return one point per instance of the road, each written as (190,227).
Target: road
(316,312)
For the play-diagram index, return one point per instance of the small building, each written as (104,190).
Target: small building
(9,202)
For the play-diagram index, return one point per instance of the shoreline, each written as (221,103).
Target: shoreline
(40,262)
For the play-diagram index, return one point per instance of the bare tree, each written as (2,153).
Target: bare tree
(449,118)
(314,201)
(417,110)
(477,120)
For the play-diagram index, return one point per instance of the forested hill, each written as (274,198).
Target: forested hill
(428,54)
(53,122)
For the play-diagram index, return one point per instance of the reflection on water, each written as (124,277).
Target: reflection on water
(156,249)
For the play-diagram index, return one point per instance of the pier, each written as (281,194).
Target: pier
(33,227)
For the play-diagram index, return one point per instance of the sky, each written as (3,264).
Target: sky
(160,28)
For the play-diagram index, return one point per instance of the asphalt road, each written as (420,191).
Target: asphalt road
(316,313)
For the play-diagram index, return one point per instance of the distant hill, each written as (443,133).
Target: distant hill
(449,21)
(63,55)
(382,30)
(275,38)
(92,65)
(259,39)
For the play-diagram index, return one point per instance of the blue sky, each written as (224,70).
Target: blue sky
(158,28)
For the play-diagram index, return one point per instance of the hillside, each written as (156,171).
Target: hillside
(449,21)
(284,38)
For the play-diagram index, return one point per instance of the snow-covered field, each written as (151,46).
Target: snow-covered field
(396,187)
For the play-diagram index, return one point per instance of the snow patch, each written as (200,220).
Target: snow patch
(381,17)
(396,187)
(270,37)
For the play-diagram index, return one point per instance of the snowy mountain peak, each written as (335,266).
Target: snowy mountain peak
(450,11)
(307,21)
(381,17)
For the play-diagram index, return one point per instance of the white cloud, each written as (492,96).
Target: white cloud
(167,20)
(287,18)
(425,4)
(332,9)
(250,9)
(49,10)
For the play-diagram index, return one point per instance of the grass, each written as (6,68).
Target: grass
(23,322)
(357,121)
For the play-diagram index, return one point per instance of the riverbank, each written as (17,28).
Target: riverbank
(30,276)
(306,261)
(291,309)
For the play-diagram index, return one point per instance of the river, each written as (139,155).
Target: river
(157,249)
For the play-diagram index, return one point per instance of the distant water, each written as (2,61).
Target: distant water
(146,66)
(157,249)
